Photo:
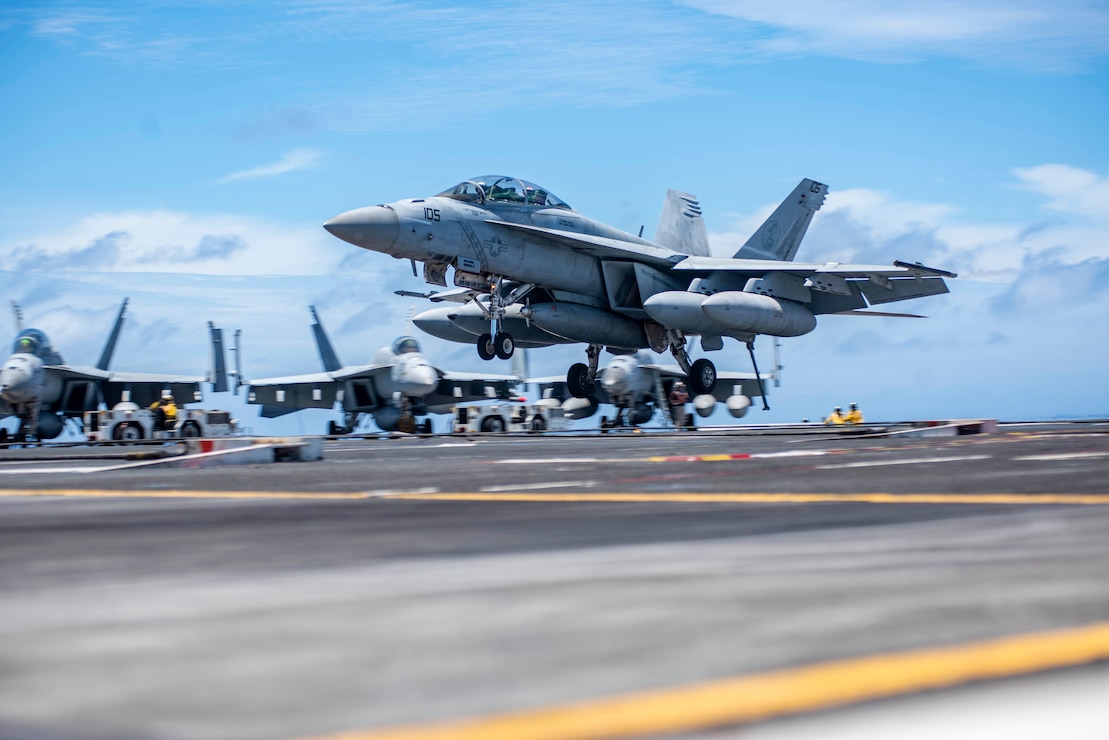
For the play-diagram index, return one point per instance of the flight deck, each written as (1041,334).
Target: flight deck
(626,585)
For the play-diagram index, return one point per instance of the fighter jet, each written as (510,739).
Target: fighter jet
(640,389)
(398,385)
(43,392)
(534,269)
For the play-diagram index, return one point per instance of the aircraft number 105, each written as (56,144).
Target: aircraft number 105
(431,214)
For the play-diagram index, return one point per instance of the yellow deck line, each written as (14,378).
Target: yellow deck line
(761,696)
(1022,499)
(774,498)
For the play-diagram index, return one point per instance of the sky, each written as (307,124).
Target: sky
(185,155)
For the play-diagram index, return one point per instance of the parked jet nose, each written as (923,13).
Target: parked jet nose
(17,379)
(374,227)
(415,378)
(616,380)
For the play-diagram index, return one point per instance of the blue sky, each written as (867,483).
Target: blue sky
(185,155)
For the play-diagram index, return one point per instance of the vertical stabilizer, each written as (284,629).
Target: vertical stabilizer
(218,374)
(327,353)
(780,235)
(18,313)
(110,348)
(680,227)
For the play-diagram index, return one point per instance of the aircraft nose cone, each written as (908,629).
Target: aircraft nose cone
(614,380)
(374,227)
(13,382)
(418,380)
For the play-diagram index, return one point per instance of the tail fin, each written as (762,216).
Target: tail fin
(110,347)
(327,353)
(218,375)
(680,227)
(780,235)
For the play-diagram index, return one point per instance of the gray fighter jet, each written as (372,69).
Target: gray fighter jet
(640,389)
(43,392)
(538,272)
(398,385)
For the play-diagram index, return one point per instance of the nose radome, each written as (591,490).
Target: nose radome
(374,227)
(614,378)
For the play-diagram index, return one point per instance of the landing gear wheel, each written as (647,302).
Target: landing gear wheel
(486,350)
(406,424)
(579,381)
(702,376)
(504,345)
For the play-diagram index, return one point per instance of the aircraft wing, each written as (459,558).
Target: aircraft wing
(599,246)
(284,395)
(726,382)
(140,388)
(455,388)
(842,287)
(556,384)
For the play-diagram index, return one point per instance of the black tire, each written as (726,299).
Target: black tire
(579,381)
(537,424)
(492,424)
(190,429)
(425,428)
(127,432)
(485,347)
(3,436)
(333,429)
(702,376)
(504,345)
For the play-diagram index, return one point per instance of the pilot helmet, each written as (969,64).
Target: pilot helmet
(853,406)
(167,396)
(838,408)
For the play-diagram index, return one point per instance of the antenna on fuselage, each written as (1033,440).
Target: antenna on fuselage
(18,317)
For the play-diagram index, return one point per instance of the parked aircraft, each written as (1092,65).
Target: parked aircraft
(531,267)
(43,392)
(639,388)
(398,385)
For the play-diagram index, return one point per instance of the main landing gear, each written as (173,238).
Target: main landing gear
(701,374)
(581,378)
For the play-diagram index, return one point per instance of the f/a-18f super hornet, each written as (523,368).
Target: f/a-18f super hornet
(536,272)
(398,385)
(639,388)
(38,387)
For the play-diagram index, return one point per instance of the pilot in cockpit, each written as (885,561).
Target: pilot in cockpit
(405,346)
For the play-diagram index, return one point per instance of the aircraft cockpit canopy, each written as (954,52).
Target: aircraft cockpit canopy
(31,342)
(405,346)
(502,189)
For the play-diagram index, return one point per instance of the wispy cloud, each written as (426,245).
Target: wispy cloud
(1071,190)
(298,159)
(1058,35)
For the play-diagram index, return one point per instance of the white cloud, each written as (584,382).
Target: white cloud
(1071,190)
(298,159)
(176,242)
(1058,34)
